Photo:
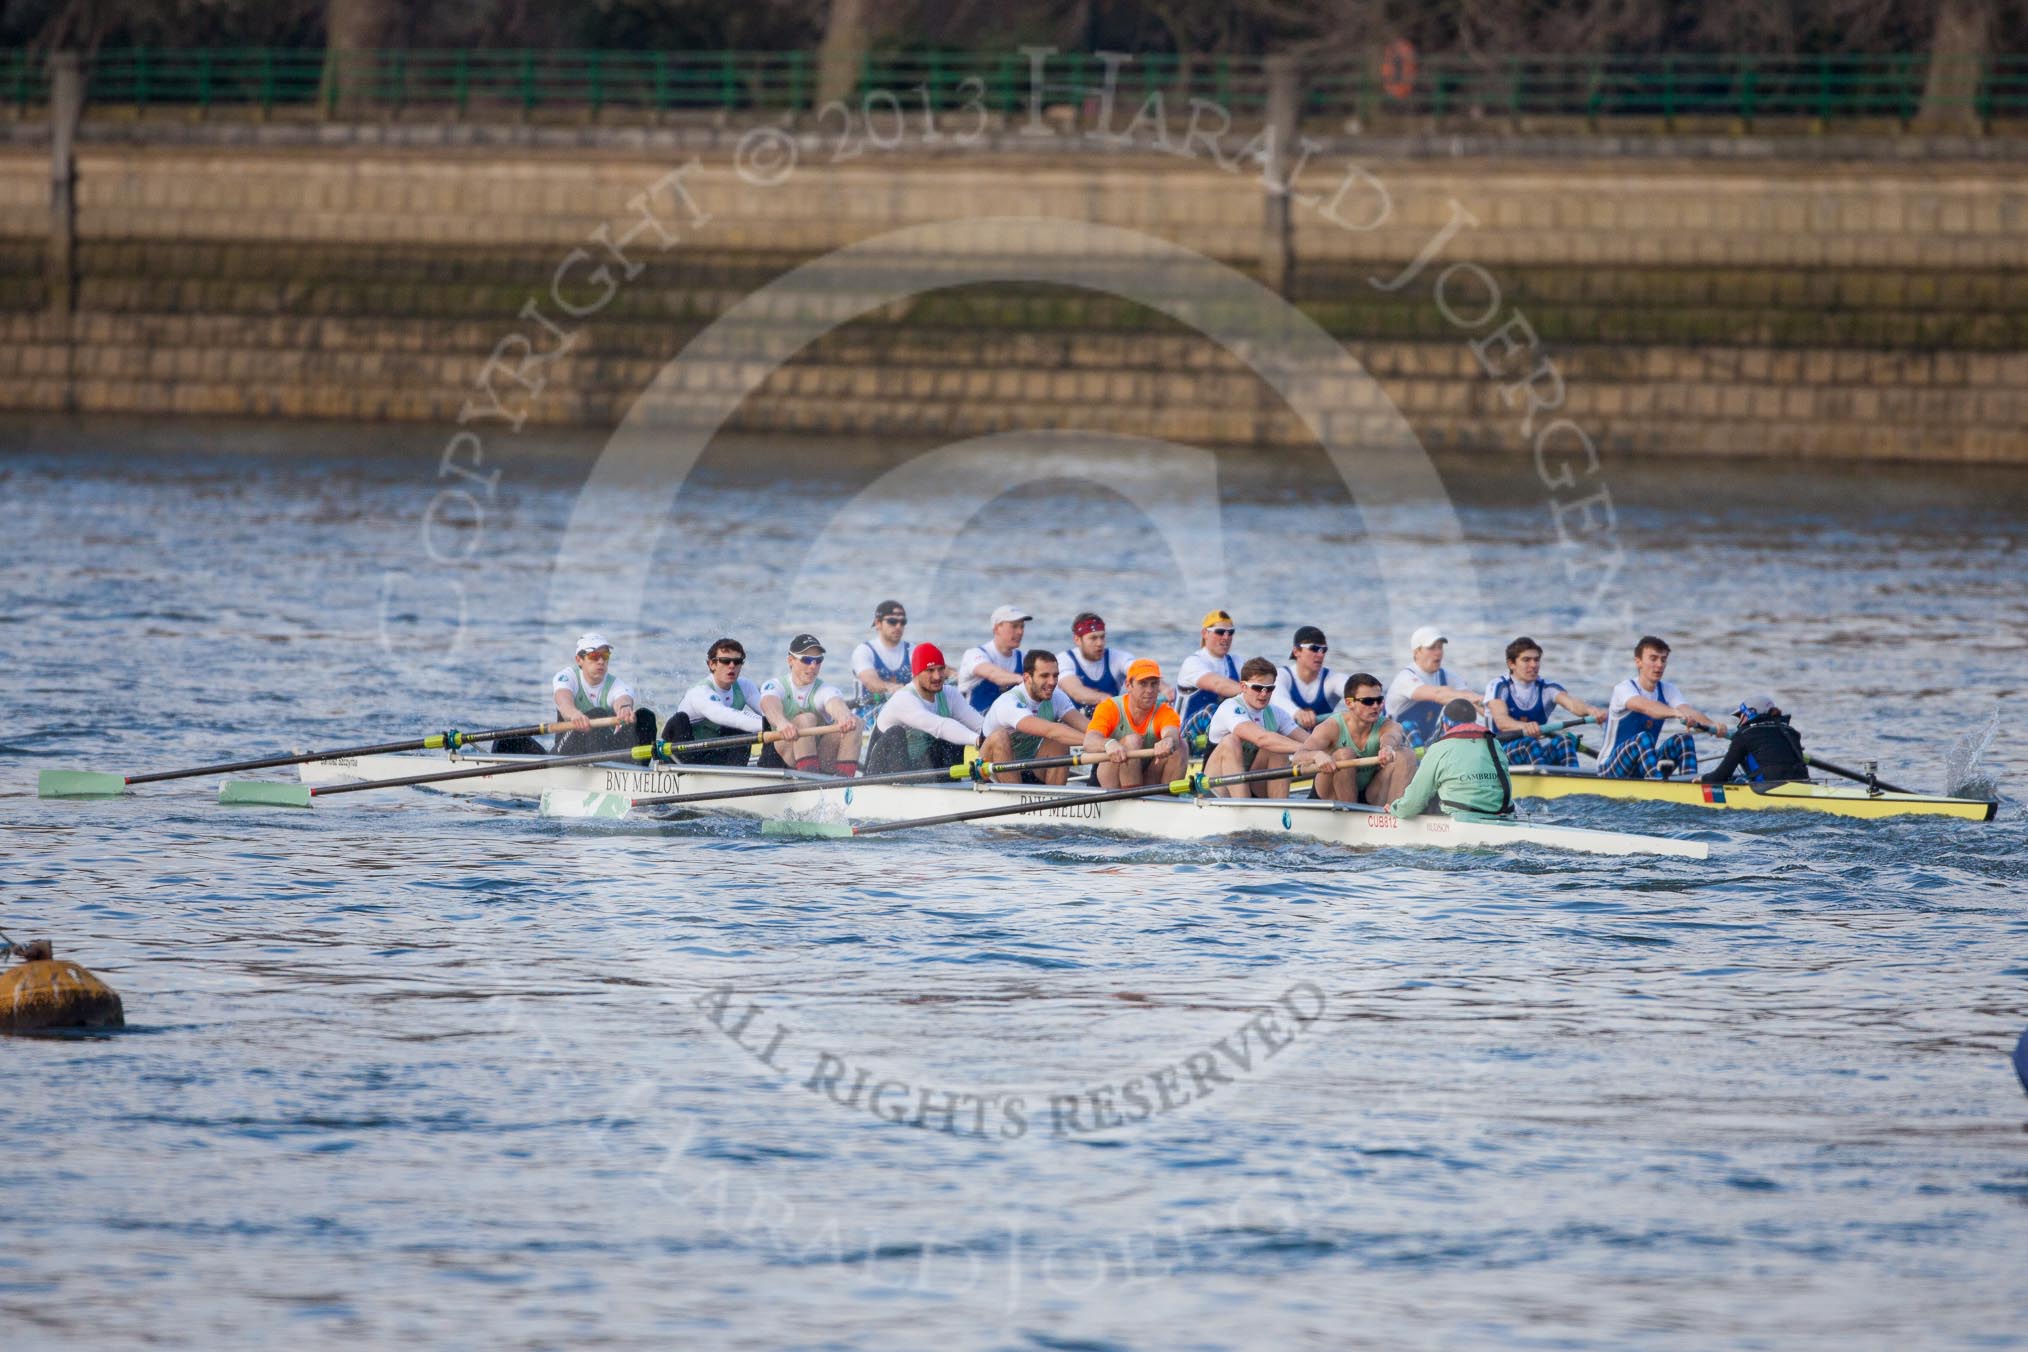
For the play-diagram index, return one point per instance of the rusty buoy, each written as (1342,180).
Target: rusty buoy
(45,992)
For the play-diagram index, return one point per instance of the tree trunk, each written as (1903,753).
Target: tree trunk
(846,37)
(353,31)
(1957,55)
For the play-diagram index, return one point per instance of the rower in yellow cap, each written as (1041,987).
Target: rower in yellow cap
(1208,676)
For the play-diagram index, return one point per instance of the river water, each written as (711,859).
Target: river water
(404,1068)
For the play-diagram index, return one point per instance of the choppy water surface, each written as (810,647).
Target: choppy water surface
(409,1068)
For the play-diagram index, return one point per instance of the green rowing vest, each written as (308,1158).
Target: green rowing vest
(789,706)
(918,740)
(1372,747)
(587,700)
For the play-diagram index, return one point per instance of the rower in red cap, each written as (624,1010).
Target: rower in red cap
(921,726)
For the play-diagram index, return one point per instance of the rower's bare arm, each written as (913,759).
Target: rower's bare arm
(872,681)
(1079,691)
(1222,686)
(997,674)
(1503,721)
(1443,694)
(1266,740)
(1569,703)
(567,710)
(1324,738)
(841,715)
(1652,708)
(1698,718)
(771,710)
(1047,730)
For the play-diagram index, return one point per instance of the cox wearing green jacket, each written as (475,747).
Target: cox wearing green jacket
(1463,771)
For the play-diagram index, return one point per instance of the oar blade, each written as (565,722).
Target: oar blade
(783,826)
(79,784)
(585,803)
(263,793)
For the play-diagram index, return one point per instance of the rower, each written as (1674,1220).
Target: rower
(1208,676)
(1307,688)
(1249,733)
(881,663)
(985,671)
(724,704)
(800,699)
(587,689)
(1519,703)
(1463,770)
(1092,672)
(1764,747)
(1361,729)
(1136,719)
(922,726)
(1033,719)
(1418,693)
(1634,746)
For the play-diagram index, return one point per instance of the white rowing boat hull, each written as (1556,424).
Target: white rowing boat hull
(1160,818)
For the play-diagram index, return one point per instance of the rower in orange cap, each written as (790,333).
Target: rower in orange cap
(1138,718)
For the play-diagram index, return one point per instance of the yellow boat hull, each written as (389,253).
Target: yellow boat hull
(1839,800)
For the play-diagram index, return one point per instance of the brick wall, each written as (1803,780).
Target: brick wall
(1861,311)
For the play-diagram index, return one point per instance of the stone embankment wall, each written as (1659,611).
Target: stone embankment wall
(1797,307)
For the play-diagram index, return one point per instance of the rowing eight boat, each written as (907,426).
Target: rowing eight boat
(1841,800)
(1197,818)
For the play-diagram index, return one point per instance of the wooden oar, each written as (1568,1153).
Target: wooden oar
(612,806)
(99,784)
(1871,781)
(267,793)
(1179,787)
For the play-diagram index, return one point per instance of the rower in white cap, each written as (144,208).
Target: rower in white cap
(1418,693)
(587,689)
(985,671)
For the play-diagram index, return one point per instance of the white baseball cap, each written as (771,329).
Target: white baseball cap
(1011,615)
(591,642)
(1425,636)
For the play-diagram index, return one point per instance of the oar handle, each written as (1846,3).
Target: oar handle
(789,734)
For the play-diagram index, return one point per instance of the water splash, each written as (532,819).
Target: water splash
(1962,776)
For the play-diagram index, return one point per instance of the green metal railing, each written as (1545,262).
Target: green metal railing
(914,89)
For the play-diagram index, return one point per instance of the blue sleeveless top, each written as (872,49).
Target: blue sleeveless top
(1105,680)
(1200,705)
(1321,705)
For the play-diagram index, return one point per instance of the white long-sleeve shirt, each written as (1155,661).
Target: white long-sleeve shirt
(907,708)
(706,703)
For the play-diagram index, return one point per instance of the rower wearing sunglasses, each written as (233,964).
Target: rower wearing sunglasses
(585,690)
(1306,687)
(1208,676)
(1249,733)
(1360,729)
(800,699)
(881,662)
(723,704)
